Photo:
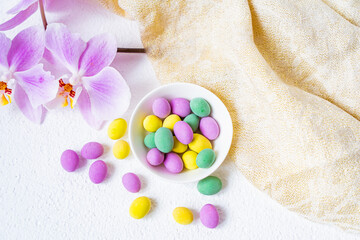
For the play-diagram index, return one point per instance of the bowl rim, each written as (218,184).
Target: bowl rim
(132,120)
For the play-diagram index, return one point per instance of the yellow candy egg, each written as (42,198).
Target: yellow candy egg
(121,149)
(152,123)
(178,146)
(170,121)
(140,207)
(117,128)
(189,159)
(183,215)
(199,143)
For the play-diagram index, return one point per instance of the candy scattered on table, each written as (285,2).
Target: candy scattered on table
(92,150)
(209,185)
(161,107)
(140,207)
(182,135)
(121,149)
(183,215)
(205,158)
(152,123)
(98,171)
(131,182)
(117,129)
(209,216)
(154,157)
(69,160)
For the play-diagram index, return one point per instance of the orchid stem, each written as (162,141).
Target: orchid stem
(120,50)
(42,12)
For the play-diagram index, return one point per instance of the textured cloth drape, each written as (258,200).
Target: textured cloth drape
(289,73)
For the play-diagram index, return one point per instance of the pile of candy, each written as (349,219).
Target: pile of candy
(186,129)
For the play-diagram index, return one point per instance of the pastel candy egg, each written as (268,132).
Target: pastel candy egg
(180,106)
(121,149)
(69,160)
(97,171)
(209,185)
(200,107)
(199,143)
(154,157)
(209,216)
(193,121)
(178,146)
(205,158)
(189,159)
(92,150)
(131,182)
(170,121)
(173,163)
(161,107)
(183,132)
(164,140)
(183,215)
(140,207)
(149,140)
(152,123)
(117,129)
(209,128)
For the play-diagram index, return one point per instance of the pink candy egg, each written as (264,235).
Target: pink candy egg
(131,182)
(98,171)
(154,157)
(173,163)
(92,150)
(69,160)
(180,106)
(183,132)
(209,128)
(209,216)
(161,107)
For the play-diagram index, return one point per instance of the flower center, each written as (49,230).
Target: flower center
(68,87)
(3,87)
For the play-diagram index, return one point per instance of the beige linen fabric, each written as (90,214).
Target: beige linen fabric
(289,73)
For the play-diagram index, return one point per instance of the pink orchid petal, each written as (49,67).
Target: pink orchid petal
(39,86)
(108,92)
(5,44)
(63,45)
(35,115)
(22,5)
(85,109)
(19,18)
(26,49)
(55,103)
(99,53)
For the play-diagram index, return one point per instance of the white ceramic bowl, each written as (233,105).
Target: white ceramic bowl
(221,145)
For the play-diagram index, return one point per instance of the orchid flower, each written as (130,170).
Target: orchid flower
(22,76)
(22,11)
(99,90)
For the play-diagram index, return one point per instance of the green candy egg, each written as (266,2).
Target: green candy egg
(149,140)
(205,158)
(193,121)
(209,185)
(164,140)
(200,107)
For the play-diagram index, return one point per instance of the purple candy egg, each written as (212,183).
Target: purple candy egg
(209,128)
(131,182)
(98,171)
(161,107)
(209,216)
(69,160)
(173,163)
(183,132)
(92,150)
(180,106)
(154,157)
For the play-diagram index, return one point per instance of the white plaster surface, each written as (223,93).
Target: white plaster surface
(39,200)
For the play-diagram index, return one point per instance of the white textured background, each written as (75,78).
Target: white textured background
(39,200)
